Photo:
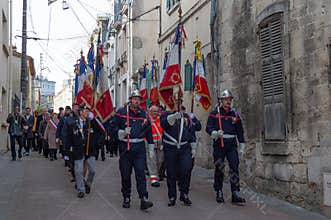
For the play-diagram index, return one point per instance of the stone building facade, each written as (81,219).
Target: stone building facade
(275,57)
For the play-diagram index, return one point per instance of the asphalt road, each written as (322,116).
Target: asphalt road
(36,188)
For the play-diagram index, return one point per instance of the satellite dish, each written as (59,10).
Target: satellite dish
(65,5)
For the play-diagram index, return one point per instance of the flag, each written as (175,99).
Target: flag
(154,93)
(85,87)
(200,83)
(103,105)
(172,77)
(143,88)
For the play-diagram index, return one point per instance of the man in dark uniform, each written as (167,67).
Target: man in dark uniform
(195,126)
(82,139)
(225,127)
(177,139)
(132,127)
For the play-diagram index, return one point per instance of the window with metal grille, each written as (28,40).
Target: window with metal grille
(272,75)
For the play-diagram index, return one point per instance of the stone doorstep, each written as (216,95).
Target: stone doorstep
(261,199)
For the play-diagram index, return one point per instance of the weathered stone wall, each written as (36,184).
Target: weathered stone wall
(291,170)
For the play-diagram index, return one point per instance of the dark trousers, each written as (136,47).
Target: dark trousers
(133,159)
(178,165)
(34,144)
(52,153)
(100,147)
(229,151)
(45,148)
(13,139)
(27,144)
(114,144)
(40,144)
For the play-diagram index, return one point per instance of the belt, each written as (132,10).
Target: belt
(228,136)
(174,143)
(134,140)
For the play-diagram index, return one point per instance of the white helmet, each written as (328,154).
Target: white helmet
(225,94)
(135,93)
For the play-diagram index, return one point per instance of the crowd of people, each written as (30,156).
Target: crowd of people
(154,142)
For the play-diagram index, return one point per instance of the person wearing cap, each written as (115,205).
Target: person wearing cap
(224,125)
(132,126)
(176,140)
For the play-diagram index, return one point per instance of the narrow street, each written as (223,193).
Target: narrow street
(35,188)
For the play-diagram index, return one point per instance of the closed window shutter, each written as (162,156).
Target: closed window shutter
(188,77)
(271,33)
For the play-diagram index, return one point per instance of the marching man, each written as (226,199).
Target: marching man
(177,139)
(225,127)
(132,127)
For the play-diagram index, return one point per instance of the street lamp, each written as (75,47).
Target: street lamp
(65,5)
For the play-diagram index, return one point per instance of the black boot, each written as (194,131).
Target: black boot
(145,204)
(80,195)
(126,203)
(87,189)
(172,202)
(184,198)
(219,197)
(236,199)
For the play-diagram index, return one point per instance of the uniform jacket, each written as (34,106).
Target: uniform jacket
(173,130)
(138,121)
(231,124)
(77,137)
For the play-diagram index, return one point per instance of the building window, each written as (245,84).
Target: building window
(188,81)
(171,5)
(272,75)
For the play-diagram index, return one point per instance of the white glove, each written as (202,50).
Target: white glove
(57,140)
(242,147)
(66,158)
(173,117)
(151,149)
(122,134)
(216,134)
(128,130)
(194,149)
(191,115)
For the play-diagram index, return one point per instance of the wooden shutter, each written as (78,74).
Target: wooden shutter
(188,77)
(271,45)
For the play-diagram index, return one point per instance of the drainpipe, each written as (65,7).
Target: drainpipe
(215,34)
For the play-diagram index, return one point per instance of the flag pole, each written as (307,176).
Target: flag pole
(193,78)
(179,62)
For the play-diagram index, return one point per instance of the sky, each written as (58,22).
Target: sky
(52,22)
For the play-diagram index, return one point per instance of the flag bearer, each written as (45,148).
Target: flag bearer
(225,127)
(177,139)
(132,127)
